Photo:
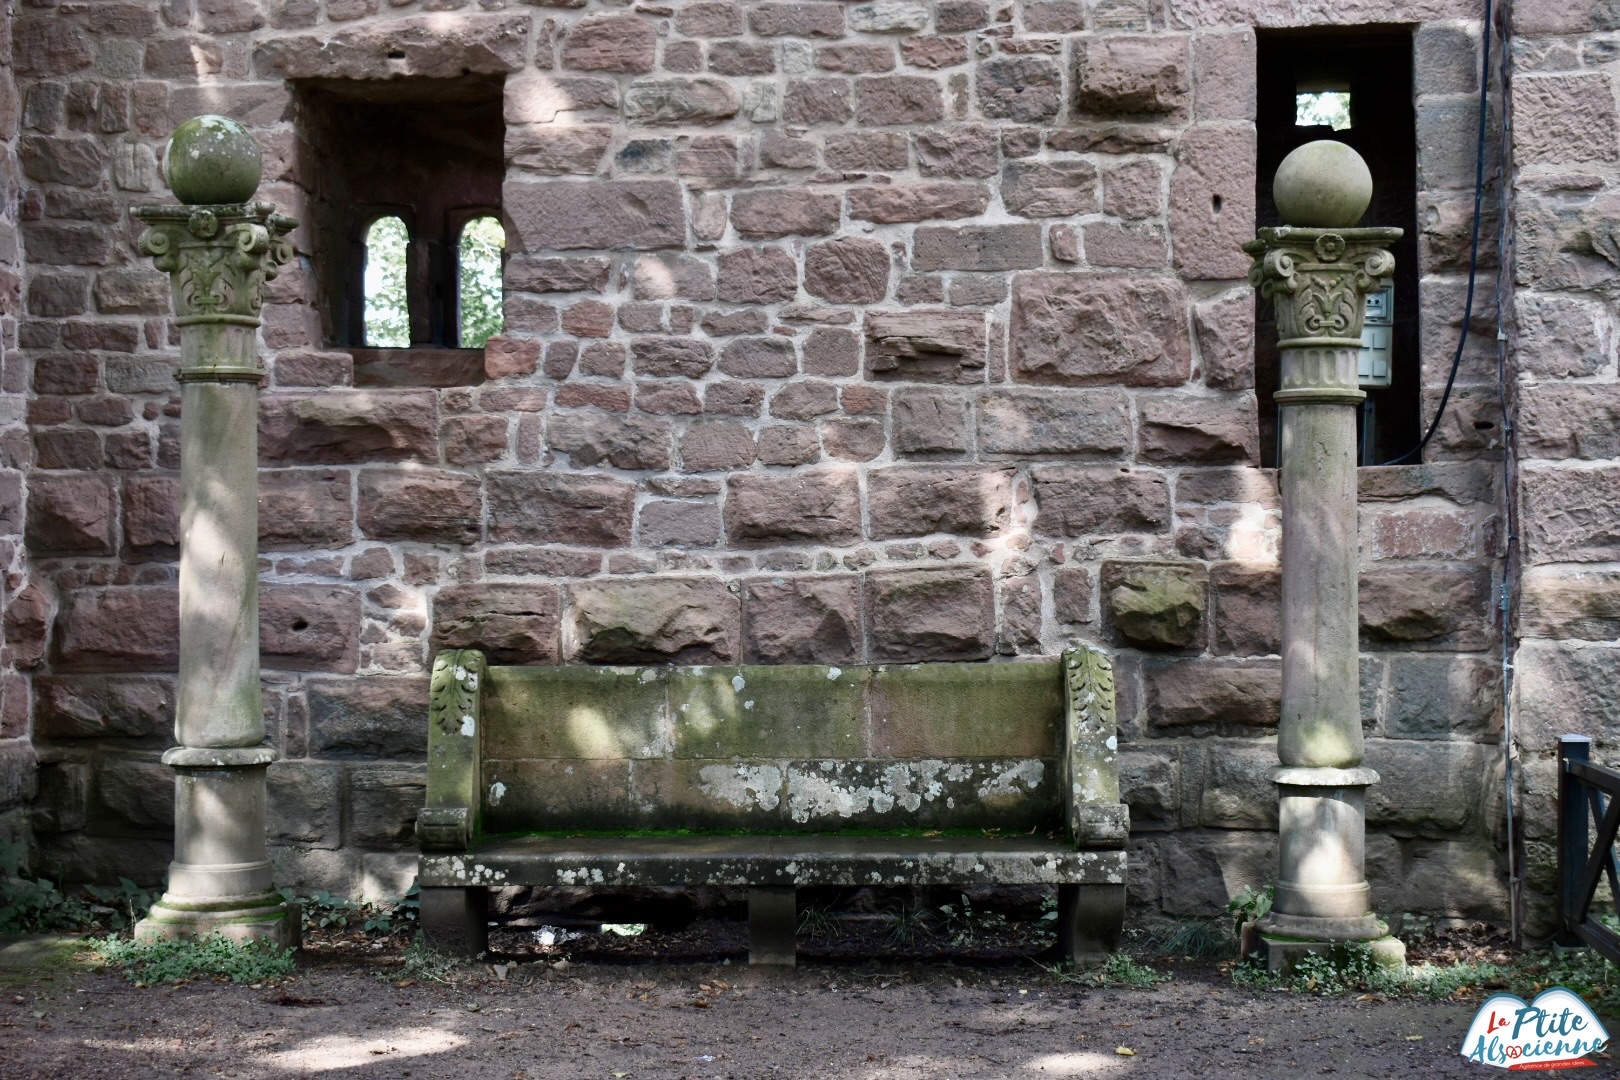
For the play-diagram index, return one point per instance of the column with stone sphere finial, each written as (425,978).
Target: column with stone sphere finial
(1317,271)
(219,248)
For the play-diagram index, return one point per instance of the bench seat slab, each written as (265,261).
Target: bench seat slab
(765,860)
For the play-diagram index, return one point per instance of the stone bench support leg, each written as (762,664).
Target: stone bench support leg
(1090,918)
(456,920)
(772,922)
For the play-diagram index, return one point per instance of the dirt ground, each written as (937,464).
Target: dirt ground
(344,1015)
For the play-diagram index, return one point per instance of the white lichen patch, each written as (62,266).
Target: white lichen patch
(469,728)
(833,673)
(737,683)
(1009,777)
(743,786)
(497,792)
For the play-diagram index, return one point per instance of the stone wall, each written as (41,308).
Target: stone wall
(1567,277)
(895,331)
(21,609)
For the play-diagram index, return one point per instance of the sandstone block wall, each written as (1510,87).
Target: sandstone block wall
(835,332)
(1566,146)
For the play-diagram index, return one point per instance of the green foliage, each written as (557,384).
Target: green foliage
(388,324)
(327,911)
(1121,969)
(1584,971)
(148,963)
(816,920)
(123,905)
(35,905)
(1350,968)
(1249,904)
(911,921)
(423,962)
(1194,938)
(966,925)
(478,257)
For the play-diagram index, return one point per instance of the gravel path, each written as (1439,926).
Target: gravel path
(355,1018)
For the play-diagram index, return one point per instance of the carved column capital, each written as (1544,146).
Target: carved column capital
(1319,279)
(218,259)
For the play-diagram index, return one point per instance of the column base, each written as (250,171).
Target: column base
(1283,954)
(250,918)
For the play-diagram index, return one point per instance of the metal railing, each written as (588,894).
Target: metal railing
(1587,793)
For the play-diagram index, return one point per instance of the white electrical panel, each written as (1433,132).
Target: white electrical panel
(1373,364)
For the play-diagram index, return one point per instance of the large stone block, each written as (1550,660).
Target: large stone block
(1150,784)
(926,346)
(1228,783)
(1212,200)
(1559,603)
(99,706)
(1049,188)
(439,46)
(1427,607)
(1091,329)
(930,422)
(1077,500)
(924,615)
(568,508)
(886,100)
(1224,327)
(1571,514)
(893,203)
(1198,430)
(673,620)
(309,627)
(1559,336)
(1203,870)
(1565,119)
(435,506)
(1457,879)
(298,508)
(512,624)
(811,20)
(305,802)
(815,506)
(1441,697)
(1157,605)
(802,620)
(383,802)
(1430,788)
(1021,88)
(1580,420)
(72,514)
(131,795)
(1219,694)
(1247,600)
(756,276)
(118,629)
(591,437)
(340,426)
(623,44)
(775,212)
(1566,688)
(636,215)
(923,499)
(848,270)
(977,247)
(1132,76)
(373,716)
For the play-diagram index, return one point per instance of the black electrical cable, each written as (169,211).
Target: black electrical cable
(1473,244)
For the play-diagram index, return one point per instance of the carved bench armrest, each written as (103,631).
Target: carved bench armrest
(450,820)
(1095,815)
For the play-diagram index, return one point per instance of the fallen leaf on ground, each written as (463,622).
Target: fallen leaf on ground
(1414,1038)
(1124,1051)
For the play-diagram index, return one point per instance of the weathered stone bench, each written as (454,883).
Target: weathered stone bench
(771,778)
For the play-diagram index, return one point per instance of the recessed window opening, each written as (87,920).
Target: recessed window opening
(1322,107)
(478,288)
(388,320)
(1353,85)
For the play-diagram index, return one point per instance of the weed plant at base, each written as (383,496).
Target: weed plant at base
(148,963)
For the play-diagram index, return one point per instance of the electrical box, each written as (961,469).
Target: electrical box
(1373,364)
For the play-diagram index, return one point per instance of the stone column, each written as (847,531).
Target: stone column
(1317,271)
(219,248)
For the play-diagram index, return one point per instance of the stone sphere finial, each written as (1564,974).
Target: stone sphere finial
(1322,185)
(213,159)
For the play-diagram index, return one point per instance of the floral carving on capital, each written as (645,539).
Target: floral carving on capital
(1318,279)
(218,257)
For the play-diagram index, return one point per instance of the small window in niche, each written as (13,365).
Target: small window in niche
(388,323)
(1322,108)
(478,292)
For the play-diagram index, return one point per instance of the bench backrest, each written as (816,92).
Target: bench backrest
(783,748)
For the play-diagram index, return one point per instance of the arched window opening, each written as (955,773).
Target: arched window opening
(388,322)
(478,293)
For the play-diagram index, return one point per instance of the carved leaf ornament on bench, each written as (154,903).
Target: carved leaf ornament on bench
(453,694)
